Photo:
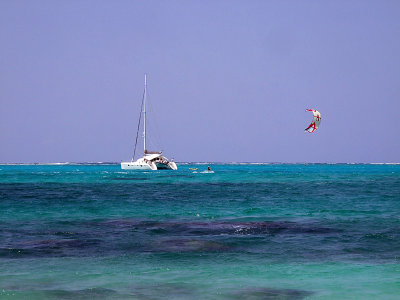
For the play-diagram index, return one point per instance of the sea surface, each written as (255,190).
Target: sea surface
(246,231)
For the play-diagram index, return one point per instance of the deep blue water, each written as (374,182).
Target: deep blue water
(278,231)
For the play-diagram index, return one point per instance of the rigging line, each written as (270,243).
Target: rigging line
(138,127)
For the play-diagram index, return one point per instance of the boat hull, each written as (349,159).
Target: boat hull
(146,164)
(168,166)
(135,166)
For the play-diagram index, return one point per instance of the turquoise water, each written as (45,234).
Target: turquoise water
(278,231)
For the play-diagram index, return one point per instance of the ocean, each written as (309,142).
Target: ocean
(246,231)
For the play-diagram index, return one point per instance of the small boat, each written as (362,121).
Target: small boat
(151,160)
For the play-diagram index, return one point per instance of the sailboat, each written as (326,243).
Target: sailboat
(151,160)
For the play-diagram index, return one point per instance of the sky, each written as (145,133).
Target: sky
(228,81)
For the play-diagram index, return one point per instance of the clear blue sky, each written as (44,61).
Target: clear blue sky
(228,80)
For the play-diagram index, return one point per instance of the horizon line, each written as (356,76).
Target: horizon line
(202,162)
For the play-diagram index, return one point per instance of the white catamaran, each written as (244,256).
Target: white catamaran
(151,160)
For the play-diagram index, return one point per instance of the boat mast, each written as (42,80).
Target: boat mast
(144,113)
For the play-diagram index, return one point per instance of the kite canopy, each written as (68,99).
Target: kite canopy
(315,121)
